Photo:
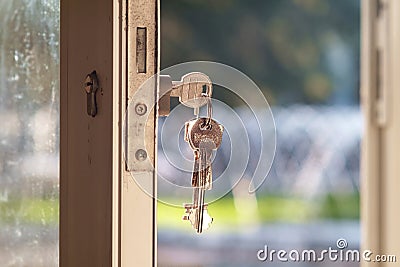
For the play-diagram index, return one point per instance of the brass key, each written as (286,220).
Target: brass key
(204,135)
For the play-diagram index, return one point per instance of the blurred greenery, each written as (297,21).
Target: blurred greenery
(286,46)
(270,209)
(30,211)
(341,206)
(297,51)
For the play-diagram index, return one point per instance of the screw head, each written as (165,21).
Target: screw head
(140,109)
(141,154)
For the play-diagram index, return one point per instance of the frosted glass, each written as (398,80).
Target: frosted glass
(29,132)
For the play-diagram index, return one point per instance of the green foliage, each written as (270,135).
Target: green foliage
(282,45)
(269,209)
(340,206)
(30,211)
(289,209)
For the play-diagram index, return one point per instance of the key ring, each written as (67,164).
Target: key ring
(207,125)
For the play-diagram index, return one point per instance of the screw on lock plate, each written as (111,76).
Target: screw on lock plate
(91,86)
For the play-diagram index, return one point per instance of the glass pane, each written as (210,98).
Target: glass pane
(304,56)
(29,132)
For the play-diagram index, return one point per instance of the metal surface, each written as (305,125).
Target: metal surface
(191,88)
(197,133)
(140,127)
(164,103)
(140,109)
(141,49)
(91,87)
(203,135)
(138,209)
(192,91)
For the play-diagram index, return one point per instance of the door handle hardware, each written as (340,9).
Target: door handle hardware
(91,86)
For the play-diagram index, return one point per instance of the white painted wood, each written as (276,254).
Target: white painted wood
(138,209)
(370,163)
(381,146)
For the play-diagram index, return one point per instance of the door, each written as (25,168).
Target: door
(105,220)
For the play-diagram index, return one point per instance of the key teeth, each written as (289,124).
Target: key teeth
(189,209)
(205,227)
(208,225)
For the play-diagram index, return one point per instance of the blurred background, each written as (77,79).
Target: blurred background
(304,56)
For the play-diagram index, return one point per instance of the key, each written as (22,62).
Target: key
(191,213)
(191,90)
(204,135)
(202,164)
(203,140)
(197,211)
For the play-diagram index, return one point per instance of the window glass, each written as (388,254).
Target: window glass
(29,132)
(304,56)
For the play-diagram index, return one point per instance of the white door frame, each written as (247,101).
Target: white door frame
(380,97)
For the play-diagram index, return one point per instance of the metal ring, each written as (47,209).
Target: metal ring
(209,109)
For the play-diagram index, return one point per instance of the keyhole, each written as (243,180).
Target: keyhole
(204,89)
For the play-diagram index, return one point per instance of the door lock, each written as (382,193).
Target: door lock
(91,87)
